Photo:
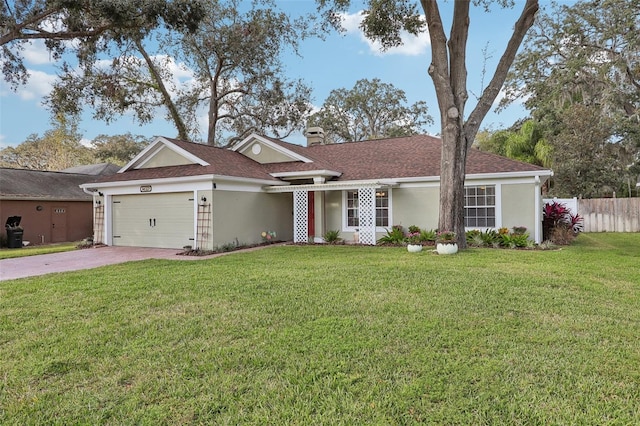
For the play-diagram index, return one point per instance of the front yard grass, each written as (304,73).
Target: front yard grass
(331,335)
(7,253)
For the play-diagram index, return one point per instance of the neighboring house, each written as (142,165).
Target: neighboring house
(176,194)
(52,206)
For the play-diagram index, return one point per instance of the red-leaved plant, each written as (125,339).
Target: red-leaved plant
(557,215)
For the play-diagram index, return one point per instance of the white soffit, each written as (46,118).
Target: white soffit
(305,174)
(332,186)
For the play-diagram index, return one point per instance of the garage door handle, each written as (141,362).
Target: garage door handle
(154,221)
(150,222)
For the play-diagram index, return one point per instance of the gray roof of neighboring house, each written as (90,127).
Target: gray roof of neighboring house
(101,169)
(24,184)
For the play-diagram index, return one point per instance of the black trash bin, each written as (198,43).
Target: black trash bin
(14,232)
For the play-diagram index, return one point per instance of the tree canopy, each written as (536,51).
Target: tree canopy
(225,75)
(88,22)
(117,149)
(370,110)
(62,147)
(579,74)
(523,142)
(57,149)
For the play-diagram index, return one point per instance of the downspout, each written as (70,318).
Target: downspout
(538,218)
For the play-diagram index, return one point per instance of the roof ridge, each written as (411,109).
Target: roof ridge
(396,138)
(44,171)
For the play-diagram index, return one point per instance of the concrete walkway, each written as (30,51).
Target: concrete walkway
(29,266)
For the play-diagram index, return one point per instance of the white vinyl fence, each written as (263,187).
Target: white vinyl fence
(605,214)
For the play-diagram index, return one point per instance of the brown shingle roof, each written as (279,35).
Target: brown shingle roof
(412,156)
(221,162)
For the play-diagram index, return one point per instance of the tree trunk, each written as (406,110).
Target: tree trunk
(449,75)
(452,174)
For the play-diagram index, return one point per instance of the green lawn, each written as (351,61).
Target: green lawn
(331,335)
(7,253)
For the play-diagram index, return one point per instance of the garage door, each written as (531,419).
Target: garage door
(153,220)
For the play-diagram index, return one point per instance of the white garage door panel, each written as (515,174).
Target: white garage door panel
(153,220)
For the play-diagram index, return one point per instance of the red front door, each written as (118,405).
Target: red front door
(311,230)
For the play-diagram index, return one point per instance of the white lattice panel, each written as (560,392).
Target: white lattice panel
(367,215)
(300,216)
(98,225)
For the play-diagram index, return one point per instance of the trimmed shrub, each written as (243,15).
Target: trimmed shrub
(395,235)
(559,225)
(332,236)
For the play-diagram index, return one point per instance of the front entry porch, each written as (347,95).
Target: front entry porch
(309,213)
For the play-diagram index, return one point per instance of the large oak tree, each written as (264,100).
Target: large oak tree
(584,58)
(384,21)
(226,73)
(59,148)
(370,110)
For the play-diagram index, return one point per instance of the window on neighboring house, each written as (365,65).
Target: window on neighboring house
(382,208)
(480,206)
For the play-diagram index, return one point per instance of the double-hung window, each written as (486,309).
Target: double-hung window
(352,208)
(480,206)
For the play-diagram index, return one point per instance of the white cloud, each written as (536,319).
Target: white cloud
(178,70)
(39,85)
(411,45)
(36,53)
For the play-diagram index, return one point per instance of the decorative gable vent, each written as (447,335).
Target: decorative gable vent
(315,136)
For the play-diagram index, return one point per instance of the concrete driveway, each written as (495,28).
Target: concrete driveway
(29,266)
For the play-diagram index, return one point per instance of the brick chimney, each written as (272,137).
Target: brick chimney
(315,136)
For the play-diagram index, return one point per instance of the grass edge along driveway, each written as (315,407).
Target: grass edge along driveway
(331,335)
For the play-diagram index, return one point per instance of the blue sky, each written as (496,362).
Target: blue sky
(337,62)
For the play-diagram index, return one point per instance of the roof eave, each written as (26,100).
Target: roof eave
(332,186)
(183,179)
(306,174)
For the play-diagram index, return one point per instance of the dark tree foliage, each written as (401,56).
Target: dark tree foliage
(226,73)
(88,22)
(585,56)
(371,110)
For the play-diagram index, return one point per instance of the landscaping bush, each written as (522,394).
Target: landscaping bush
(559,225)
(395,235)
(332,236)
(428,237)
(519,238)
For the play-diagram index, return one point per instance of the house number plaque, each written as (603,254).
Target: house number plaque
(145,188)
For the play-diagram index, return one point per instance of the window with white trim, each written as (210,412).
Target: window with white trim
(480,206)
(382,208)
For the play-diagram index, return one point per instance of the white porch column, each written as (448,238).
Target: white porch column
(300,216)
(367,215)
(537,231)
(108,219)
